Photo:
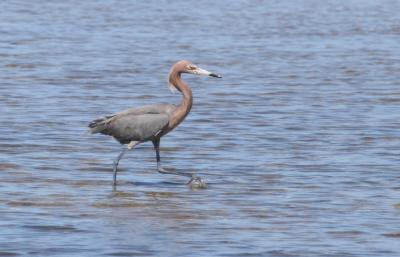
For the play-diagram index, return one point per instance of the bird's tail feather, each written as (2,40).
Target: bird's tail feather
(98,125)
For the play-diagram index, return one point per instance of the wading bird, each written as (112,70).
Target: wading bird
(149,123)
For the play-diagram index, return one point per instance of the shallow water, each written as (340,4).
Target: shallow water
(299,142)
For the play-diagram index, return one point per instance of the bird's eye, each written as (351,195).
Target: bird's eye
(191,67)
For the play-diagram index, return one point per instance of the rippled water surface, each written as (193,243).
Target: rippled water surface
(299,142)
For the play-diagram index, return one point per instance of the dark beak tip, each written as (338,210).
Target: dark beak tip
(215,75)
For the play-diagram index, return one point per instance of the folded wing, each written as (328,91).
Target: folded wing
(135,124)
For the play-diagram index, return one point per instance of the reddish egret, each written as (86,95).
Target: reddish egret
(149,123)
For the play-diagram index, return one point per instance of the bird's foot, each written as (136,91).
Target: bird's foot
(194,182)
(165,171)
(173,172)
(197,183)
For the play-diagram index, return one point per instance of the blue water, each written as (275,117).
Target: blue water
(299,142)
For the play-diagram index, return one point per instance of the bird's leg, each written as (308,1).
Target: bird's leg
(119,157)
(160,169)
(132,144)
(116,161)
(194,180)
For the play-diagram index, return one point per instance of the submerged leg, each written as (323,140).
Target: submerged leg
(194,180)
(119,157)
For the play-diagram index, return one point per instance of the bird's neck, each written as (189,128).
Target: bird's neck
(186,103)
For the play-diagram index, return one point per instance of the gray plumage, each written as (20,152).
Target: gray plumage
(134,124)
(149,123)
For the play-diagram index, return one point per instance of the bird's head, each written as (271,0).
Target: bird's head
(186,67)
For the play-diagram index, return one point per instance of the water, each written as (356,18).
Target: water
(299,142)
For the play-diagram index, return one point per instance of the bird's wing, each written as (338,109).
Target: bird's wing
(134,127)
(135,124)
(154,109)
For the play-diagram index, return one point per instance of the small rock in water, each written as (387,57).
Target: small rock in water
(197,183)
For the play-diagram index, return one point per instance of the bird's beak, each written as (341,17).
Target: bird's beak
(215,75)
(199,71)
